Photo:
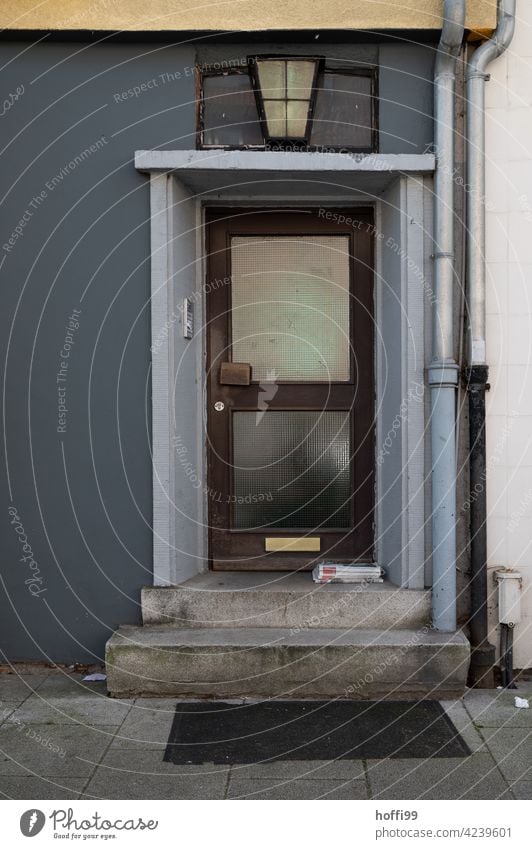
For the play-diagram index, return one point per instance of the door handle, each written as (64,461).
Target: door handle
(235,374)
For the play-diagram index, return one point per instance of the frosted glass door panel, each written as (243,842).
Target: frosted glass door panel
(291,469)
(290,307)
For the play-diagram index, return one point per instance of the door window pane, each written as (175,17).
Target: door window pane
(290,307)
(343,114)
(230,115)
(291,469)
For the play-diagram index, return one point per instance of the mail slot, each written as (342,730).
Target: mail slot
(292,544)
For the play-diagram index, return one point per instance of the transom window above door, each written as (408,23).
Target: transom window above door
(288,103)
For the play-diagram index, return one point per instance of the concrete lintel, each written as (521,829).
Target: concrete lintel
(266,161)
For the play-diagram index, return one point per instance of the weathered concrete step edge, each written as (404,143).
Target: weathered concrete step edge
(274,663)
(263,608)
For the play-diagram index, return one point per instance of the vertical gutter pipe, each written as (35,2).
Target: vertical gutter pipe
(444,370)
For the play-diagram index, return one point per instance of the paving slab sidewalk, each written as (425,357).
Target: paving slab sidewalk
(63,738)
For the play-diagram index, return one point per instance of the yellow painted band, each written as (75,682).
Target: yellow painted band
(160,15)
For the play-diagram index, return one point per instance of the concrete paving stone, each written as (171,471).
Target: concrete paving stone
(69,709)
(147,725)
(29,787)
(128,744)
(522,789)
(26,748)
(71,683)
(165,705)
(149,762)
(463,723)
(475,777)
(496,708)
(104,785)
(7,709)
(133,766)
(512,749)
(340,769)
(302,789)
(14,687)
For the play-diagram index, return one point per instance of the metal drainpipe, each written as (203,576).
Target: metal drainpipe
(476,372)
(443,371)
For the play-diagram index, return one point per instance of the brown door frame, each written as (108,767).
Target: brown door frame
(230,549)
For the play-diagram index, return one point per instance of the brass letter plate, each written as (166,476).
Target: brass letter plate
(292,544)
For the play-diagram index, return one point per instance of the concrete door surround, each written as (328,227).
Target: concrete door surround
(223,635)
(182,183)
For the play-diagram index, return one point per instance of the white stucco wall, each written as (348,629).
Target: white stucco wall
(509,318)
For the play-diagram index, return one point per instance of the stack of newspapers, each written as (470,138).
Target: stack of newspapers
(347,573)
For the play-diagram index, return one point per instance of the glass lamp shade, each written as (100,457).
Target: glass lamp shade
(286,91)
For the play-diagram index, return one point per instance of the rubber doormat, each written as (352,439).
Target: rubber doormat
(220,732)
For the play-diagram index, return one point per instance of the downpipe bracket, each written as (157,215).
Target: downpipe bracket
(476,377)
(478,75)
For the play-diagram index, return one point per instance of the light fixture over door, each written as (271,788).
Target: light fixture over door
(285,88)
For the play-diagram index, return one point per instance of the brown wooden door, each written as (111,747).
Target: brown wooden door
(291,455)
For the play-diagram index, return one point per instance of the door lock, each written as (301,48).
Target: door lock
(219,406)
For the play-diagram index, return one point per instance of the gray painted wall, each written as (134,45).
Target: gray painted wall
(77,509)
(406,95)
(84,496)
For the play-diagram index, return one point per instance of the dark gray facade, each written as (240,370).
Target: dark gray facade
(75,336)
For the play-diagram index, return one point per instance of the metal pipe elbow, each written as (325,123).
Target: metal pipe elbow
(497,44)
(452,35)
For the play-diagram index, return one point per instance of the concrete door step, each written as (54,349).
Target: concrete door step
(285,663)
(277,600)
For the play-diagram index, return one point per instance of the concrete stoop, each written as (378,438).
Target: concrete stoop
(250,635)
(273,662)
(266,600)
